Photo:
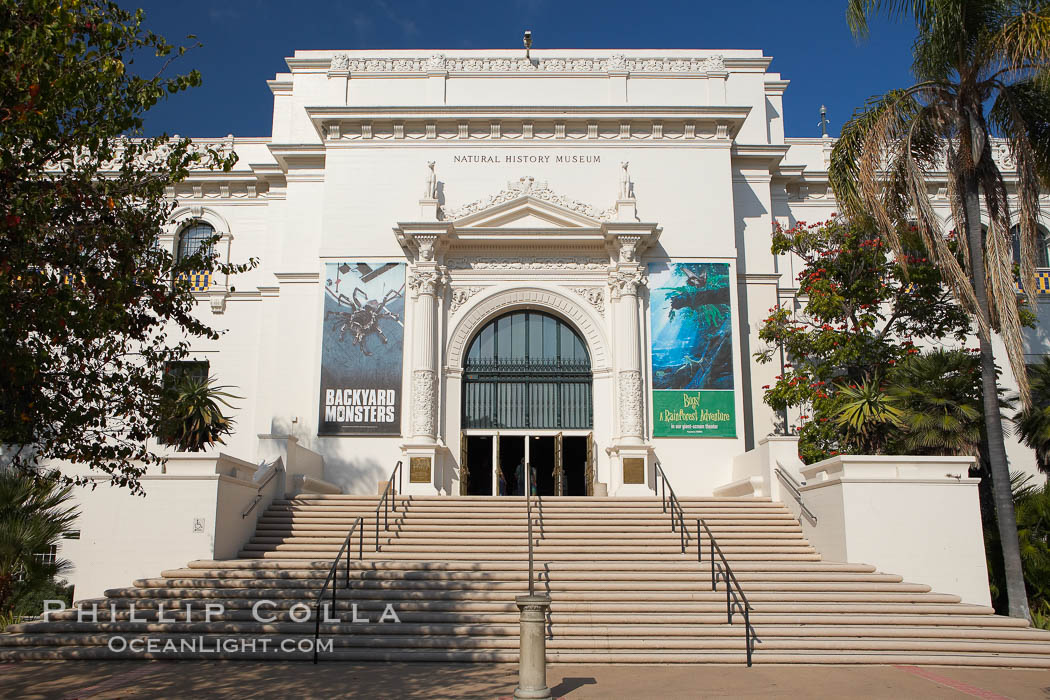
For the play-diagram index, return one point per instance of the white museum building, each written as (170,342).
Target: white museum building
(470,261)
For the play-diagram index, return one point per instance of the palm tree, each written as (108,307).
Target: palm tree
(1033,422)
(35,512)
(193,419)
(981,72)
(868,415)
(940,393)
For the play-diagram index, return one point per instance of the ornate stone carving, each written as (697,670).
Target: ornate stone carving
(594,295)
(631,402)
(423,402)
(426,247)
(628,248)
(625,180)
(626,283)
(528,186)
(460,296)
(436,62)
(425,282)
(208,153)
(526,263)
(1002,153)
(440,62)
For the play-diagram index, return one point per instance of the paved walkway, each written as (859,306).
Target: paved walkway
(200,680)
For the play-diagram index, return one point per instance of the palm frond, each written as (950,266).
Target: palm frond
(1024,38)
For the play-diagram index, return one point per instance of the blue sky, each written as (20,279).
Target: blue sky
(246,41)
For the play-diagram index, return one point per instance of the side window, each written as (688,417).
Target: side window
(1042,246)
(175,372)
(192,239)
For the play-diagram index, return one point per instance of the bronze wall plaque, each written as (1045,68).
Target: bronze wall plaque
(633,470)
(419,470)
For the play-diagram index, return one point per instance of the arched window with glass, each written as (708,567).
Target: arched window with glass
(193,239)
(527,369)
(1042,246)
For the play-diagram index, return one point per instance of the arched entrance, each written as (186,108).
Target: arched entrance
(527,399)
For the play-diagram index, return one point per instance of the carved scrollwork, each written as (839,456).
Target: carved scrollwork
(626,282)
(526,263)
(595,296)
(579,64)
(427,282)
(424,402)
(630,385)
(528,186)
(461,295)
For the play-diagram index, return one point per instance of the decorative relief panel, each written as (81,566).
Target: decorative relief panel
(461,295)
(439,62)
(528,186)
(594,295)
(527,263)
(631,402)
(423,401)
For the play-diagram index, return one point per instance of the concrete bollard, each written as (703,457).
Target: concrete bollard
(532,661)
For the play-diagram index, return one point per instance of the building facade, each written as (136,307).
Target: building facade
(470,261)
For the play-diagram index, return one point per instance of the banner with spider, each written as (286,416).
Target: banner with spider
(692,350)
(361,349)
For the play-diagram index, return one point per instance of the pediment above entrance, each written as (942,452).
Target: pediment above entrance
(524,213)
(526,197)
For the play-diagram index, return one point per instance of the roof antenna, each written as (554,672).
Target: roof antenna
(527,40)
(823,123)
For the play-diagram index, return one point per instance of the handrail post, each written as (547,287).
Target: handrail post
(747,636)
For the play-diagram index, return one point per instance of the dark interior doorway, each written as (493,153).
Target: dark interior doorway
(479,451)
(541,455)
(575,465)
(511,455)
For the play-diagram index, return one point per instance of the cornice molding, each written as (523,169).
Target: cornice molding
(510,65)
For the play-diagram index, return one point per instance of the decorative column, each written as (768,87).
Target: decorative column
(425,282)
(625,282)
(630,449)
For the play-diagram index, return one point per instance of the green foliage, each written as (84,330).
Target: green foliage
(1032,507)
(35,511)
(193,419)
(940,394)
(1033,423)
(861,317)
(868,416)
(90,308)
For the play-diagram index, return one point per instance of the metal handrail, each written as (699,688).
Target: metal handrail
(360,528)
(273,469)
(793,488)
(388,501)
(528,511)
(668,498)
(735,598)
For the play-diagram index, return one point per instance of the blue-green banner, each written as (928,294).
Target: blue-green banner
(692,350)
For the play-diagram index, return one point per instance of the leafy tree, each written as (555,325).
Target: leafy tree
(1033,423)
(939,393)
(860,318)
(35,511)
(981,72)
(90,308)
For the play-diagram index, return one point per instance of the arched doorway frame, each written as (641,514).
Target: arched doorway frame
(548,298)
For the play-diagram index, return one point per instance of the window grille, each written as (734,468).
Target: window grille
(527,369)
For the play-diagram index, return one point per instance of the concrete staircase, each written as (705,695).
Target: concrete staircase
(622,592)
